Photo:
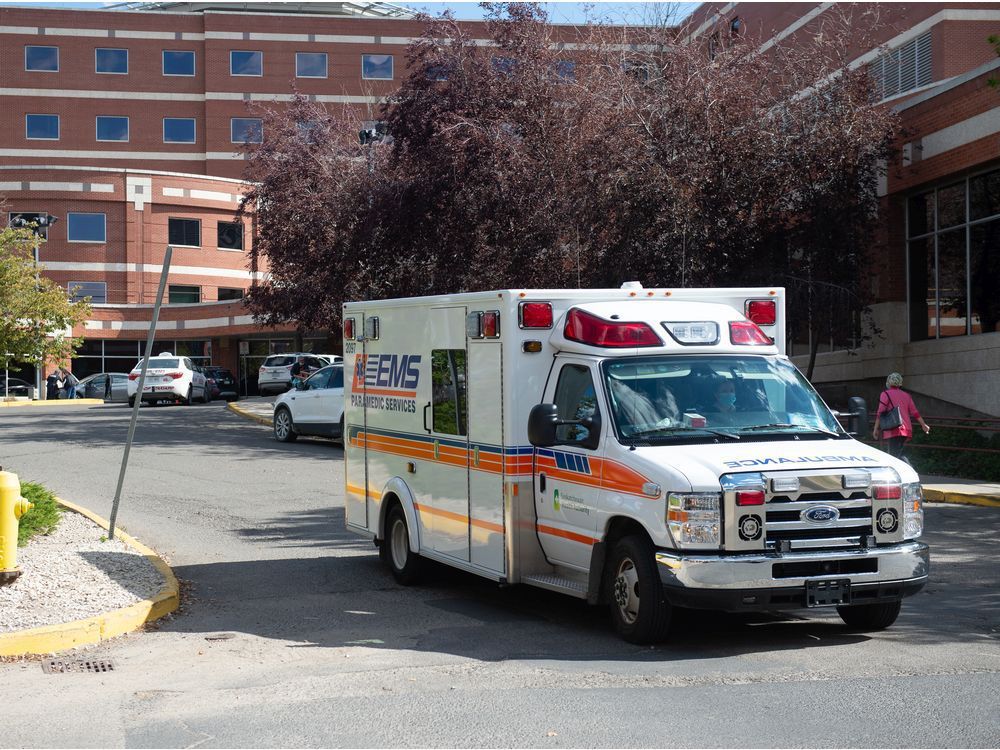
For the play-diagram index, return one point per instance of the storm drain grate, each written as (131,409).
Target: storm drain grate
(56,666)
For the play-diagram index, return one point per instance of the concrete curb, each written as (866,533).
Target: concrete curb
(960,498)
(52,638)
(237,409)
(54,402)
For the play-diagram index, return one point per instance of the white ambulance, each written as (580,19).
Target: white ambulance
(644,448)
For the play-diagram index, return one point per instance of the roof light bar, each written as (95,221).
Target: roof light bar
(589,329)
(693,333)
(746,333)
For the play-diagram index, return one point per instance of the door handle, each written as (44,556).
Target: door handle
(426,428)
(541,482)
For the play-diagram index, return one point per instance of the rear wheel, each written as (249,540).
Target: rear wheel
(405,565)
(206,395)
(640,611)
(188,400)
(131,402)
(343,437)
(870,616)
(284,429)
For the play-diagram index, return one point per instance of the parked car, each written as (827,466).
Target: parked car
(222,383)
(316,407)
(170,378)
(16,386)
(275,374)
(93,386)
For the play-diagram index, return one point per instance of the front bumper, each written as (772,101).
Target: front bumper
(773,581)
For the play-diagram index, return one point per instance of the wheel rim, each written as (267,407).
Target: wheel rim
(399,544)
(282,424)
(626,591)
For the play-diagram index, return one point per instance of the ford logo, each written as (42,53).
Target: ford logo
(820,514)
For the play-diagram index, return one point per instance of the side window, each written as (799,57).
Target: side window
(320,380)
(315,363)
(449,397)
(337,378)
(576,398)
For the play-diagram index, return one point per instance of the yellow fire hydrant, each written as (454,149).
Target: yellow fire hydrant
(12,507)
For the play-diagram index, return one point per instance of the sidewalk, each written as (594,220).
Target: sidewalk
(52,402)
(965,491)
(257,408)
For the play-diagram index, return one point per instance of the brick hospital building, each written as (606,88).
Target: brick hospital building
(126,125)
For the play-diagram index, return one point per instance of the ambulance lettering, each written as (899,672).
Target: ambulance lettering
(798,460)
(386,382)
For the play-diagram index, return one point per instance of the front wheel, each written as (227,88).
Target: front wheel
(284,430)
(639,610)
(131,402)
(406,566)
(870,616)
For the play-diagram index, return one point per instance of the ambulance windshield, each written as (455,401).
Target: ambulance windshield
(735,397)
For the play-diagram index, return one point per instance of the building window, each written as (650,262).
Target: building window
(41,127)
(566,70)
(96,290)
(178,130)
(903,69)
(41,59)
(376,67)
(230,235)
(34,221)
(177,62)
(953,256)
(246,63)
(112,128)
(86,227)
(184,232)
(310,64)
(111,60)
(247,130)
(229,294)
(183,294)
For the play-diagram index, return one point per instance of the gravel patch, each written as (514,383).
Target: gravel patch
(71,575)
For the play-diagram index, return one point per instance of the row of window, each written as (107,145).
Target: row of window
(115,129)
(114,61)
(97,291)
(92,227)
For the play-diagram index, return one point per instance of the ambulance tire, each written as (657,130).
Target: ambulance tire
(870,616)
(640,611)
(406,565)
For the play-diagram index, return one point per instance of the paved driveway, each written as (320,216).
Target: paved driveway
(293,634)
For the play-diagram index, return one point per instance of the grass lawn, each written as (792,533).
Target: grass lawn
(43,518)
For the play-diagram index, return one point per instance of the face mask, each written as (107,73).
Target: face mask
(727,399)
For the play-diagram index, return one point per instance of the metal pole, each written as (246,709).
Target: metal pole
(138,393)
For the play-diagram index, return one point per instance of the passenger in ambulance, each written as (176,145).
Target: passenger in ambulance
(723,406)
(640,412)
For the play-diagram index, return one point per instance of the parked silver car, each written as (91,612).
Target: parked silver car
(94,386)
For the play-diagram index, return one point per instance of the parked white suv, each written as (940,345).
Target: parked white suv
(275,374)
(169,378)
(314,408)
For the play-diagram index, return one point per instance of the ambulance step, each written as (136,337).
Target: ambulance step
(558,583)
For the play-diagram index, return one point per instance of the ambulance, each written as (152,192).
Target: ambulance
(646,449)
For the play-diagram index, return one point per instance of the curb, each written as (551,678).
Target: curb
(53,402)
(960,498)
(51,638)
(236,409)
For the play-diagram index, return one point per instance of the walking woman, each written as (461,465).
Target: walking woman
(899,410)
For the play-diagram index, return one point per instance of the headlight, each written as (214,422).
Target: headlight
(694,518)
(913,510)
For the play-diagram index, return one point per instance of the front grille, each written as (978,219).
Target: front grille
(786,524)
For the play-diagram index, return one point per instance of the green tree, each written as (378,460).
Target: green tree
(36,313)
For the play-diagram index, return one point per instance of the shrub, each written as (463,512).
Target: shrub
(43,518)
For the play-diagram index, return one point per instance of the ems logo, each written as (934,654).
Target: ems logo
(750,528)
(887,520)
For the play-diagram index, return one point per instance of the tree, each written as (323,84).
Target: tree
(35,312)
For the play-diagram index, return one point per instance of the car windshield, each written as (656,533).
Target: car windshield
(671,397)
(279,361)
(158,363)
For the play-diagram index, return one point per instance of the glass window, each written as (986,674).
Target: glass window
(436,73)
(41,127)
(310,64)
(178,130)
(923,292)
(376,67)
(951,287)
(226,294)
(319,380)
(504,65)
(184,232)
(86,227)
(984,195)
(183,294)
(32,220)
(230,235)
(337,378)
(984,276)
(92,348)
(41,59)
(448,380)
(178,62)
(576,399)
(111,128)
(921,210)
(111,60)
(246,63)
(96,290)
(113,347)
(951,206)
(247,130)
(191,348)
(566,70)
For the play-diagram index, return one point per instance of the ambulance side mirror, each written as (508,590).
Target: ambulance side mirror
(857,420)
(542,422)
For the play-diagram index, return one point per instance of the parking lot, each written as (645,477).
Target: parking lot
(292,633)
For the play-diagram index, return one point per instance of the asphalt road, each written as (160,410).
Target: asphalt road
(319,647)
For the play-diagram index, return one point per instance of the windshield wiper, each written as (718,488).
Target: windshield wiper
(668,430)
(787,425)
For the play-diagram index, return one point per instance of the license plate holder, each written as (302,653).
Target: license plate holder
(828,593)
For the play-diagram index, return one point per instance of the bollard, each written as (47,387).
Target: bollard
(12,507)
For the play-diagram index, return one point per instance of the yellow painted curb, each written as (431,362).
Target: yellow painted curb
(53,402)
(51,638)
(960,498)
(233,407)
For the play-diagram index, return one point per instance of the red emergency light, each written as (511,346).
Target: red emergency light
(534,315)
(491,324)
(589,329)
(348,329)
(750,497)
(888,491)
(746,333)
(763,312)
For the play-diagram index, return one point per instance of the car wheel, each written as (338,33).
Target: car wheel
(343,436)
(131,402)
(406,565)
(284,429)
(188,399)
(206,396)
(639,610)
(870,616)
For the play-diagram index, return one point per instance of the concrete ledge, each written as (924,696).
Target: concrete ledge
(52,638)
(933,495)
(54,402)
(259,418)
